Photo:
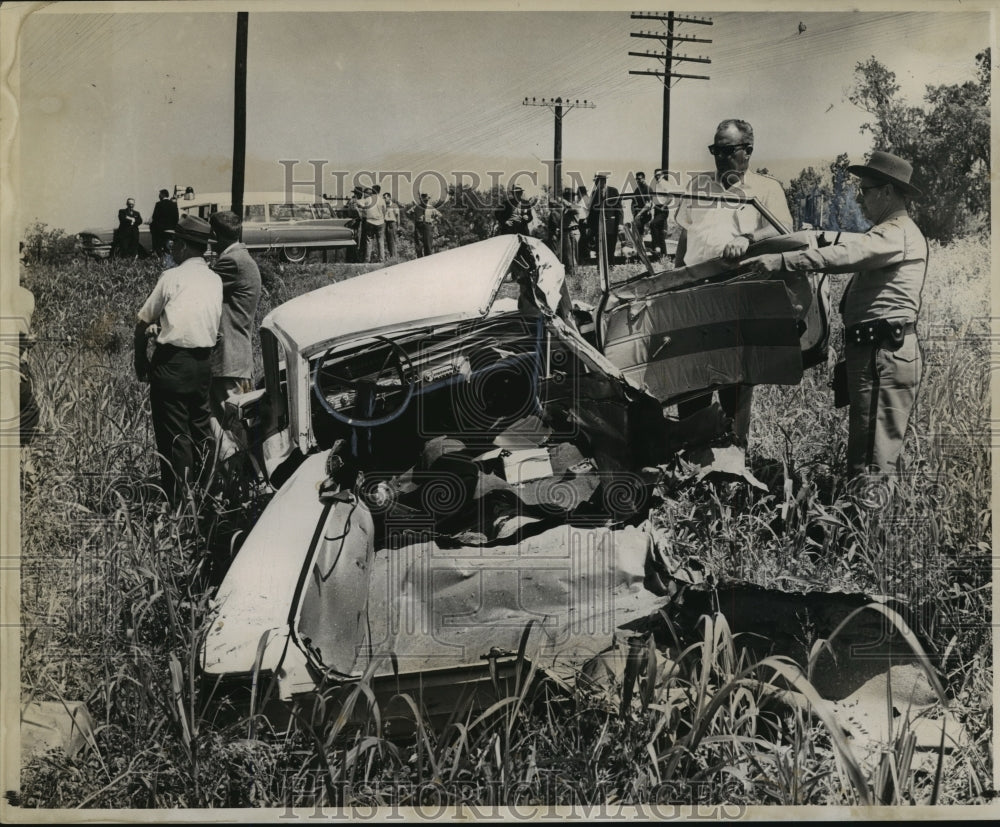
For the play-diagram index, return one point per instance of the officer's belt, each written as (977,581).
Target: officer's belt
(880,330)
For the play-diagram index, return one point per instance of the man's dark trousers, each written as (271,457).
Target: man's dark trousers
(658,231)
(422,238)
(179,380)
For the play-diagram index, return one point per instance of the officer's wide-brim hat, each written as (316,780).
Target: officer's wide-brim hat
(192,228)
(888,167)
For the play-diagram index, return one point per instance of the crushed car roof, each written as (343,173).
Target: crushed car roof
(453,285)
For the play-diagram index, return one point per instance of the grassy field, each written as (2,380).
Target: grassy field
(115,600)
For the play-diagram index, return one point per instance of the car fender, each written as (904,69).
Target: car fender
(256,597)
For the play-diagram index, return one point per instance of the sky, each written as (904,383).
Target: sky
(122,103)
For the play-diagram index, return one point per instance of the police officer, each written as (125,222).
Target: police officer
(880,310)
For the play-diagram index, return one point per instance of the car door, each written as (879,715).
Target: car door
(255,234)
(680,332)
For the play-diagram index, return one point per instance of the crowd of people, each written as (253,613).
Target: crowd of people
(581,223)
(374,218)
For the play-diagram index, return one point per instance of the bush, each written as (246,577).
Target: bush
(42,245)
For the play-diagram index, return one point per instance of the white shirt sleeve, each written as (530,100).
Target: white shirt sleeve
(774,199)
(153,308)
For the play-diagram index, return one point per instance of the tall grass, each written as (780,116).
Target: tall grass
(116,599)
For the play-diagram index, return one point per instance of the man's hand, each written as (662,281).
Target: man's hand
(139,357)
(736,248)
(764,265)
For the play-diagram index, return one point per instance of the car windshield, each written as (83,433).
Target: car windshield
(291,212)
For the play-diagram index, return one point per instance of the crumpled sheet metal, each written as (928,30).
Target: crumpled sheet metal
(864,717)
(730,460)
(47,725)
(331,610)
(435,607)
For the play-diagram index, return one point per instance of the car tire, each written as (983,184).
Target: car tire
(294,255)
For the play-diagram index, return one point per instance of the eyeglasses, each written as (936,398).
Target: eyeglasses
(728,151)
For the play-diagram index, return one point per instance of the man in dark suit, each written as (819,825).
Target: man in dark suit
(165,215)
(642,205)
(232,357)
(605,215)
(514,215)
(127,235)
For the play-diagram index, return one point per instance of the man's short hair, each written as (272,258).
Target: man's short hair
(197,246)
(640,175)
(225,224)
(164,194)
(745,129)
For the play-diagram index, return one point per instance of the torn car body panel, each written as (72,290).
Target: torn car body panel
(679,332)
(704,337)
(330,603)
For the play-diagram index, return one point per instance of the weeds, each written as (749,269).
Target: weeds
(116,600)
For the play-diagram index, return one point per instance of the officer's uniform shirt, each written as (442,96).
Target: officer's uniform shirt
(890,261)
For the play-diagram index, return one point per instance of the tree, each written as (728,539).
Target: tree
(947,141)
(807,195)
(896,126)
(845,213)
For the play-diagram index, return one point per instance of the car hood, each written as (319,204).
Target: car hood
(454,285)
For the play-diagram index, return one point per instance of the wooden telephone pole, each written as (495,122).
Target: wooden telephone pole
(560,107)
(240,114)
(668,38)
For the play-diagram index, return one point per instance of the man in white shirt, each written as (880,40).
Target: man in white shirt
(184,309)
(714,228)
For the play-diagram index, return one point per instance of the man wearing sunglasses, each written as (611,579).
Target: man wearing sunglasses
(880,309)
(714,227)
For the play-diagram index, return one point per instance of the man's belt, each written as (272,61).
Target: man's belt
(168,350)
(889,331)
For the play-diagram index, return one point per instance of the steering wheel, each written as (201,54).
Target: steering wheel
(395,367)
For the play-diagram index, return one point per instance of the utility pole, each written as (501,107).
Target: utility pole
(560,107)
(240,114)
(668,57)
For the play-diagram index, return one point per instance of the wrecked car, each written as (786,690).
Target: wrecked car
(458,452)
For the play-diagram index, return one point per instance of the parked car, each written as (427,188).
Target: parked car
(504,456)
(272,222)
